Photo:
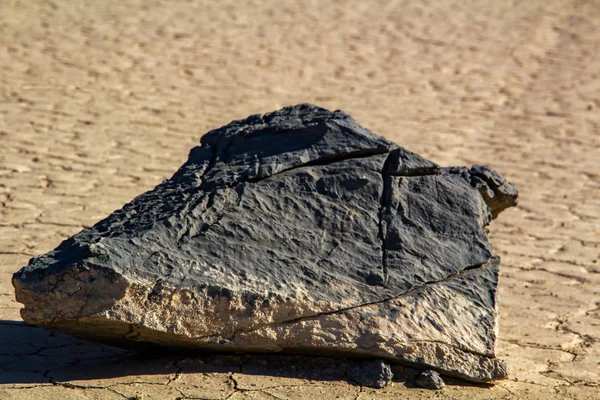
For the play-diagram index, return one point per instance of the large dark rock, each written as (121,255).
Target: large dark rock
(297,231)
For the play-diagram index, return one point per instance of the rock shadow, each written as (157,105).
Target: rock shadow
(31,355)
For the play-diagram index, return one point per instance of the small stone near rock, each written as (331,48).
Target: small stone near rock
(375,374)
(430,380)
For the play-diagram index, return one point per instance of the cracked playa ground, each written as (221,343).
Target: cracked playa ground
(101,101)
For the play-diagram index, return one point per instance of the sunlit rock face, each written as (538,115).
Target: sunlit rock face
(296,231)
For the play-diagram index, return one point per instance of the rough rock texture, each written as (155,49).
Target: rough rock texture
(294,231)
(373,373)
(430,380)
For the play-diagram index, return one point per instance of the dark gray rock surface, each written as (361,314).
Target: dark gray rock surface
(430,380)
(279,230)
(372,373)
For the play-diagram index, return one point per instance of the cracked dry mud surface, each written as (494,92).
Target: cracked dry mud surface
(101,101)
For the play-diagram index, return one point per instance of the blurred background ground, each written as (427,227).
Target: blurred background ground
(100,101)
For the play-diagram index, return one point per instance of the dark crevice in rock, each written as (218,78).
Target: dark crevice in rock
(406,163)
(328,160)
(416,172)
(384,203)
(329,253)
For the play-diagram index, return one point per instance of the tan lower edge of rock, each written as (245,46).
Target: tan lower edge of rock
(433,326)
(448,360)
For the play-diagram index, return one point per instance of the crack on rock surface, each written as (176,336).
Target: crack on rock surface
(297,230)
(398,297)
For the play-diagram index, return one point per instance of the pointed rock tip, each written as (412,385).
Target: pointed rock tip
(283,120)
(498,193)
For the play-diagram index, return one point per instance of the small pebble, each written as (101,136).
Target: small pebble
(430,380)
(374,374)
